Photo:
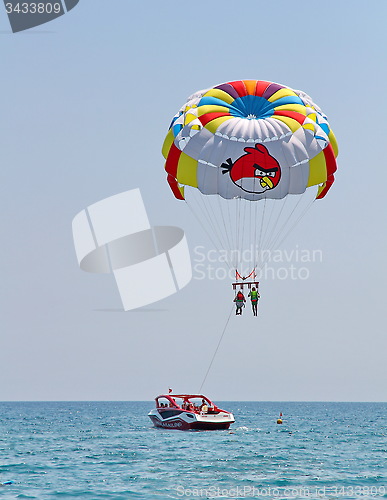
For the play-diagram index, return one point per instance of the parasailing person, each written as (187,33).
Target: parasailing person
(239,302)
(254,297)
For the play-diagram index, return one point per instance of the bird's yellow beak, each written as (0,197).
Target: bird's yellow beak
(267,182)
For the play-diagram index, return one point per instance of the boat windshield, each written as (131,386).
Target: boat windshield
(163,402)
(186,402)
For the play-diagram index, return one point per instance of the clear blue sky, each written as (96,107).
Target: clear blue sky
(85,104)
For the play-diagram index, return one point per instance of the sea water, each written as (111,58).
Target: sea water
(110,450)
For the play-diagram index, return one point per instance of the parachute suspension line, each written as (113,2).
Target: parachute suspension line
(227,233)
(242,224)
(260,231)
(251,227)
(239,223)
(211,232)
(274,240)
(211,236)
(203,227)
(236,225)
(216,350)
(211,215)
(205,208)
(210,222)
(250,233)
(245,238)
(231,233)
(268,223)
(244,228)
(273,231)
(300,217)
(255,234)
(238,230)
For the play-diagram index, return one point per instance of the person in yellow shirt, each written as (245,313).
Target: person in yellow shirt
(254,297)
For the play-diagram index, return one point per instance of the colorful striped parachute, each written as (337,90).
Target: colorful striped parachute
(252,140)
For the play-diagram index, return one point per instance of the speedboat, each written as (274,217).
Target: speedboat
(189,411)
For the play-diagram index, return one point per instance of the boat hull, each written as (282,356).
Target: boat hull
(191,422)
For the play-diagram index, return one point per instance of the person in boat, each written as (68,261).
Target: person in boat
(239,302)
(204,406)
(254,297)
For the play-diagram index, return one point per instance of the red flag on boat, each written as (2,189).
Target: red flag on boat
(169,391)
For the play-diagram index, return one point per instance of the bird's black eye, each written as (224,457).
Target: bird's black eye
(262,171)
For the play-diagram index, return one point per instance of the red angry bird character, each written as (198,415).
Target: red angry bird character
(254,172)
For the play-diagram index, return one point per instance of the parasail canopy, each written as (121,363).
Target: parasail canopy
(250,140)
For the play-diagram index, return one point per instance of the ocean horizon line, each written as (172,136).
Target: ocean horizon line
(152,399)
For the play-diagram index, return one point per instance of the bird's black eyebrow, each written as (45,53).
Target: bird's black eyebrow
(263,169)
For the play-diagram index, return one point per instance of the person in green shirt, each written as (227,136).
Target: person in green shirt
(254,297)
